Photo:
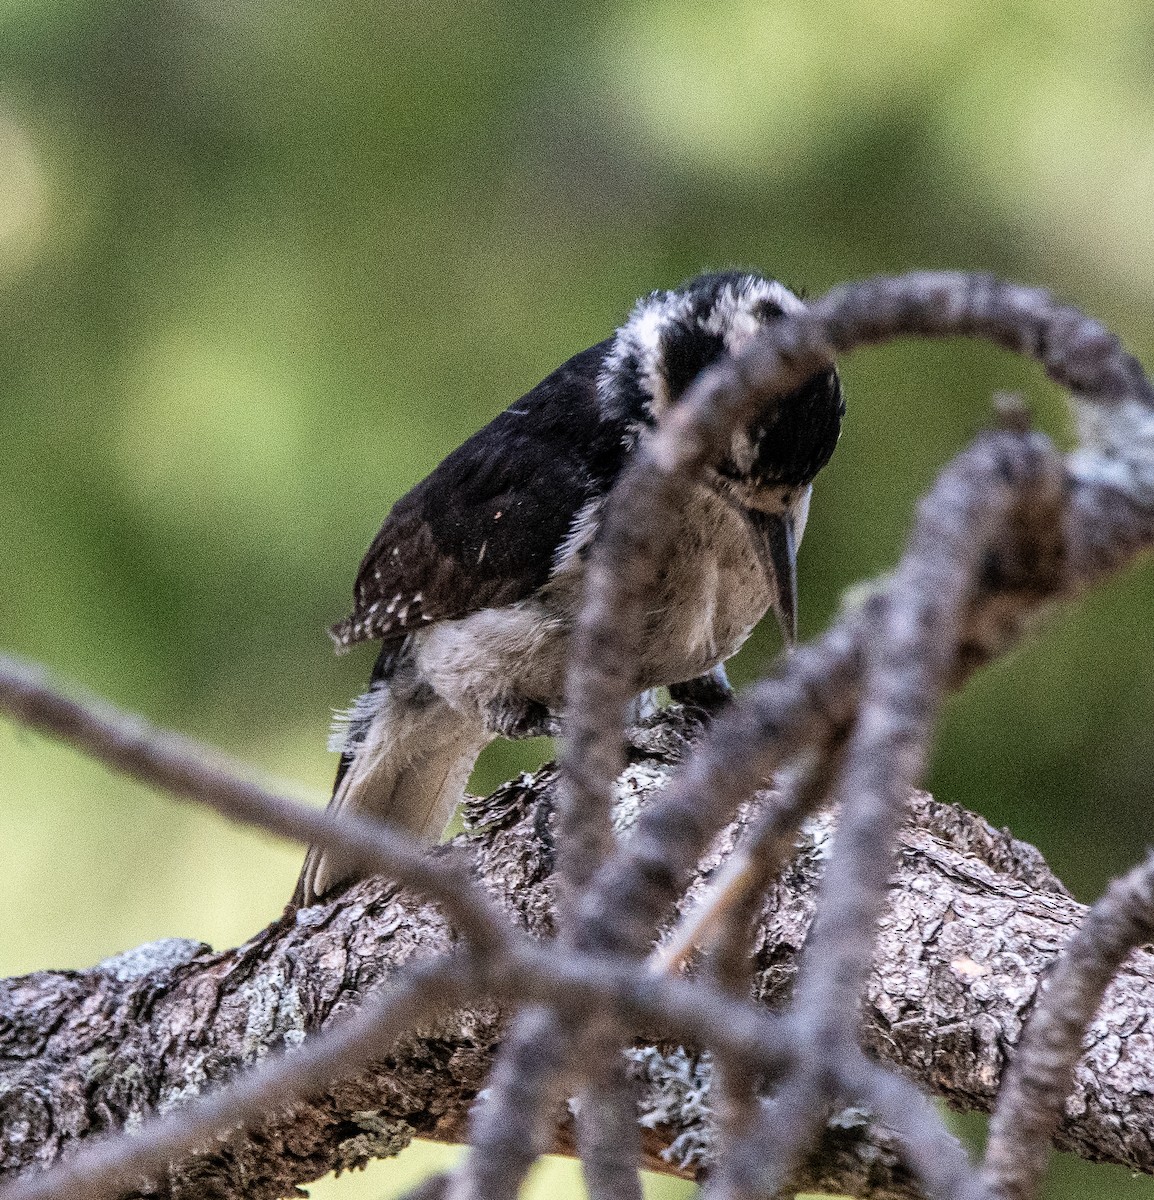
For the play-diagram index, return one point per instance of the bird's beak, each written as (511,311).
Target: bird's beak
(782,546)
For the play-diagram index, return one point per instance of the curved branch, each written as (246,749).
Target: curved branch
(972,922)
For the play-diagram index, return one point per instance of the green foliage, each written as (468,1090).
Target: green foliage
(262,265)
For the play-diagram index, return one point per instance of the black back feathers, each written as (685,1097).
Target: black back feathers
(482,530)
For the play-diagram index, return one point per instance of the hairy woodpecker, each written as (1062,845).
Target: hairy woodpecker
(473,583)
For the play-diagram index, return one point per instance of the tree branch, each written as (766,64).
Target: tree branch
(973,920)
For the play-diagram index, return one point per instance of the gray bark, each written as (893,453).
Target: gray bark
(974,918)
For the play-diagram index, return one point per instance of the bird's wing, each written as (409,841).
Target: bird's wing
(484,528)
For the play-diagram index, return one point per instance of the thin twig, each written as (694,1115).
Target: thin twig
(937,1158)
(1042,1070)
(608,1136)
(907,670)
(189,771)
(106,1167)
(735,1082)
(512,1126)
(721,916)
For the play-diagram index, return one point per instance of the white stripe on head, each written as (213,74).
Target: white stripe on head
(733,317)
(639,344)
(639,341)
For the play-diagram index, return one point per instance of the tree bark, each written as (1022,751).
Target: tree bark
(974,918)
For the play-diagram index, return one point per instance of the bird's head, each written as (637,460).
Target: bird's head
(769,467)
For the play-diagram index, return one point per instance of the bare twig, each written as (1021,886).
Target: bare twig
(608,1139)
(189,771)
(1041,1073)
(514,1128)
(937,1158)
(762,852)
(910,657)
(723,915)
(105,1168)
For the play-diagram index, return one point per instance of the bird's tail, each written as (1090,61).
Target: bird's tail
(406,760)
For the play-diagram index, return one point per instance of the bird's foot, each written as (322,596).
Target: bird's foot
(517,718)
(708,694)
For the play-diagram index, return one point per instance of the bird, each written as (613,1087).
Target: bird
(474,582)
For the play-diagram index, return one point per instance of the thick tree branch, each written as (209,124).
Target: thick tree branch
(973,920)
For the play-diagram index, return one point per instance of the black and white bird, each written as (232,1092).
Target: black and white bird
(473,583)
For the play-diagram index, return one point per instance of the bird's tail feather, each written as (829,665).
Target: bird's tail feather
(408,768)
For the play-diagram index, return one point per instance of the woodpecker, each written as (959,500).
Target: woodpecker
(474,581)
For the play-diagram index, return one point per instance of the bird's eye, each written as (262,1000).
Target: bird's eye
(766,310)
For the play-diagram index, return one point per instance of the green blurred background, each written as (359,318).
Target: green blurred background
(262,264)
